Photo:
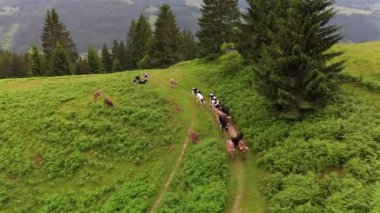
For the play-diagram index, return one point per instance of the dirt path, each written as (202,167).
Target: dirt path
(239,168)
(239,177)
(173,173)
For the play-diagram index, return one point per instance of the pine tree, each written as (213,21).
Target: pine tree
(81,67)
(106,59)
(189,45)
(131,49)
(167,39)
(139,41)
(116,66)
(37,63)
(218,24)
(60,61)
(115,51)
(123,55)
(259,22)
(293,71)
(54,31)
(94,62)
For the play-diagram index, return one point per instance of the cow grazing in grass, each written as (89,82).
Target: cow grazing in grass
(194,91)
(173,83)
(230,149)
(243,148)
(143,81)
(193,136)
(108,103)
(200,99)
(98,94)
(223,121)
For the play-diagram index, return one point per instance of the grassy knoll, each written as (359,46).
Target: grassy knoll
(60,151)
(329,161)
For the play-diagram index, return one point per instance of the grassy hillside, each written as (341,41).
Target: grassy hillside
(62,152)
(329,161)
(363,63)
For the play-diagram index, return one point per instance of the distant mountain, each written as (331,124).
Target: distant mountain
(94,22)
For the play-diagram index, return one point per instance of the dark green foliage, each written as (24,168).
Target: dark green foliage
(316,164)
(81,67)
(139,43)
(167,40)
(144,63)
(94,62)
(115,50)
(116,66)
(60,61)
(259,21)
(37,63)
(131,44)
(13,65)
(293,72)
(119,53)
(189,45)
(54,31)
(132,196)
(106,59)
(123,57)
(199,187)
(218,24)
(232,62)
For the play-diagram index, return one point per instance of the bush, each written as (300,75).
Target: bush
(232,62)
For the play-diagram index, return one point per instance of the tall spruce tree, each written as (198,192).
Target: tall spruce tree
(189,45)
(36,68)
(123,57)
(143,41)
(259,22)
(81,67)
(54,31)
(167,39)
(115,50)
(106,59)
(60,61)
(94,62)
(219,24)
(116,65)
(293,71)
(131,49)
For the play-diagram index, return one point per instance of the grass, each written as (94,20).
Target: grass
(363,61)
(60,151)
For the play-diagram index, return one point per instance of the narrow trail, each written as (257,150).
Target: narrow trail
(240,169)
(237,166)
(239,176)
(173,173)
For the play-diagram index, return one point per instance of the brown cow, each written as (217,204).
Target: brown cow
(98,94)
(193,136)
(173,83)
(230,148)
(108,102)
(242,149)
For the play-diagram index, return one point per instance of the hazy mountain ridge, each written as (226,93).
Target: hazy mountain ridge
(102,21)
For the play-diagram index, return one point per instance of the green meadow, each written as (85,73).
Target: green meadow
(60,151)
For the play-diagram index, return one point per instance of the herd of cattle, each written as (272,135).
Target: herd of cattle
(222,112)
(224,117)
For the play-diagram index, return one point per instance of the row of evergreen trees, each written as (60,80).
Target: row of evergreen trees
(144,48)
(287,42)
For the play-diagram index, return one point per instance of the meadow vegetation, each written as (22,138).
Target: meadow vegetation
(58,145)
(62,152)
(327,161)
